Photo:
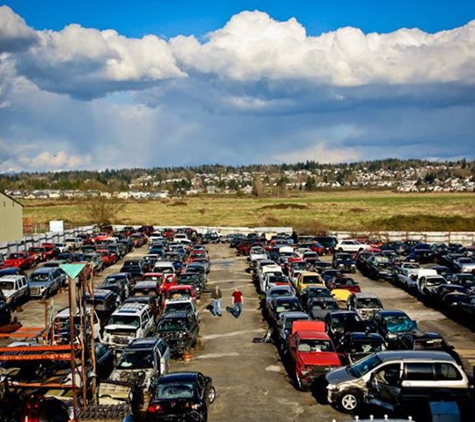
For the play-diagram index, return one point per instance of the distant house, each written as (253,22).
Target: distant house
(11,219)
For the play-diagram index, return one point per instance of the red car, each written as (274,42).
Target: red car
(50,251)
(311,351)
(38,253)
(180,291)
(346,283)
(164,281)
(22,260)
(318,248)
(108,258)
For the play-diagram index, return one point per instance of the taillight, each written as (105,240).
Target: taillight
(155,408)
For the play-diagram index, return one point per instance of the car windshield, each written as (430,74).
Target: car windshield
(174,391)
(367,347)
(39,277)
(318,292)
(370,302)
(299,265)
(15,256)
(312,346)
(363,366)
(176,307)
(287,306)
(281,293)
(435,281)
(399,323)
(133,321)
(311,279)
(321,306)
(137,359)
(171,324)
(6,285)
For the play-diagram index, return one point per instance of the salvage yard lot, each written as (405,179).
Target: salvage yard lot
(342,210)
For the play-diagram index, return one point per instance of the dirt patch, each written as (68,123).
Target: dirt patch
(357,210)
(284,207)
(423,222)
(179,204)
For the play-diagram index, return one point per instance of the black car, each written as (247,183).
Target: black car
(104,360)
(181,396)
(423,340)
(179,329)
(344,262)
(192,279)
(319,307)
(283,304)
(340,322)
(136,267)
(357,345)
(422,256)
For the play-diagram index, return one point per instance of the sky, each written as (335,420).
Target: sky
(114,84)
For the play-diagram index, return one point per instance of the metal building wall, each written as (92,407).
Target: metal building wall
(11,219)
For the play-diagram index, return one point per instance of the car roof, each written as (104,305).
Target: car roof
(142,343)
(178,376)
(423,355)
(44,270)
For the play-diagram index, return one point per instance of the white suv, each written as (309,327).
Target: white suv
(130,321)
(15,288)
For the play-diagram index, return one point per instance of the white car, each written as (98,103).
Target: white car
(14,288)
(351,245)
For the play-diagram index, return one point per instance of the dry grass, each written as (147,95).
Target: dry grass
(316,212)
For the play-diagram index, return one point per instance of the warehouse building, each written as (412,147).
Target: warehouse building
(11,219)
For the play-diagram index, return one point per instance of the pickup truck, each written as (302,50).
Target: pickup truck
(15,289)
(74,243)
(312,352)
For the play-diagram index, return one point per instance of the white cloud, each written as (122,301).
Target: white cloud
(15,35)
(252,46)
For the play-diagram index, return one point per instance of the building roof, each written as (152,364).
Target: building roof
(13,199)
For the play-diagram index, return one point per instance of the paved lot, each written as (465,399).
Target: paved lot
(251,382)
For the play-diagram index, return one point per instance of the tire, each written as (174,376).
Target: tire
(350,401)
(212,394)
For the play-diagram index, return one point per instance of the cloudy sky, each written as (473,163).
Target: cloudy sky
(95,85)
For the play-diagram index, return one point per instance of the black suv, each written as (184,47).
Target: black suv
(179,329)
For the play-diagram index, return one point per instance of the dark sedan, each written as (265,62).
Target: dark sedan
(181,396)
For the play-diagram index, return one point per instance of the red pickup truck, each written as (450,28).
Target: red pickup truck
(312,352)
(22,260)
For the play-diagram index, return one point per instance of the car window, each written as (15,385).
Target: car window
(419,371)
(447,372)
(162,347)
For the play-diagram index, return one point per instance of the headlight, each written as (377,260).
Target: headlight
(392,336)
(332,387)
(195,406)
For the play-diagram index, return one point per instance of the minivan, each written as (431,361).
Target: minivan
(395,380)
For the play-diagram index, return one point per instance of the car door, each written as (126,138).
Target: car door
(385,385)
(163,357)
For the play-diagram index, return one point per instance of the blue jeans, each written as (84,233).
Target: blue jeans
(217,307)
(236,309)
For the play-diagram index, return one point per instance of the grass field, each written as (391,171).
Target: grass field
(313,212)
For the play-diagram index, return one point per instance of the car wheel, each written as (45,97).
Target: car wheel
(349,401)
(212,394)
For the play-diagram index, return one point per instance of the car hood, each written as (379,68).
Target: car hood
(319,359)
(408,325)
(339,375)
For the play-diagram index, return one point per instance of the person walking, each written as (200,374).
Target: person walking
(237,301)
(217,296)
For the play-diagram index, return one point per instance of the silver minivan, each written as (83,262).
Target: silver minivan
(394,379)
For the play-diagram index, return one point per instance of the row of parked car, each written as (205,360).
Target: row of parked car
(144,314)
(320,320)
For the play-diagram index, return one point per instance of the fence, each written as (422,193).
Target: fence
(465,238)
(38,239)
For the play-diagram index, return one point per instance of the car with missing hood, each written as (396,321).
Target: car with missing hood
(364,304)
(392,323)
(141,361)
(179,329)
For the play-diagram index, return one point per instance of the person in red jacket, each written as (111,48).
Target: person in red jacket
(237,301)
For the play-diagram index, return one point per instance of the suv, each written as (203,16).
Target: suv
(397,379)
(15,289)
(130,321)
(179,329)
(45,282)
(142,360)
